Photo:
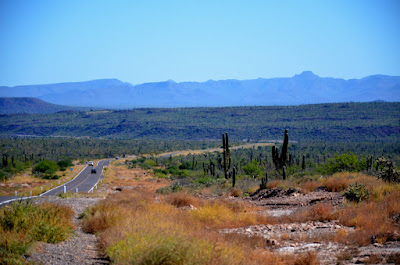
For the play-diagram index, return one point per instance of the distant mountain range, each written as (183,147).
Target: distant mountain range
(32,106)
(305,88)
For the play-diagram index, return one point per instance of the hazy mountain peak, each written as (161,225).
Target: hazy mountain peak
(307,74)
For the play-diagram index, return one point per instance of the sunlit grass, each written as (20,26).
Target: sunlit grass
(22,224)
(137,228)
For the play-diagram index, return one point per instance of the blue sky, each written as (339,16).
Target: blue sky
(47,41)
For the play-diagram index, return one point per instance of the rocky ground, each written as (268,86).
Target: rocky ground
(312,236)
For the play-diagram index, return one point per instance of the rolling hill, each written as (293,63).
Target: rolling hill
(32,106)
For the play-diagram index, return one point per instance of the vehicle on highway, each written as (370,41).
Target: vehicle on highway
(90,163)
(94,170)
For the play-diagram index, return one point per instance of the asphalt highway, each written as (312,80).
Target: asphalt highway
(85,181)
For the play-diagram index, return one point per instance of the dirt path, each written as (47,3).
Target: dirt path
(81,248)
(201,151)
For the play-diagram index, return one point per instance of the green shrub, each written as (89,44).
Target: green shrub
(356,193)
(174,187)
(344,162)
(2,176)
(63,164)
(204,180)
(141,159)
(151,163)
(185,165)
(253,169)
(46,166)
(173,170)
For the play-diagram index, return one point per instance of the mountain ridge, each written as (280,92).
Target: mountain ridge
(303,88)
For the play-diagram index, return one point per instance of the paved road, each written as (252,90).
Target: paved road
(84,182)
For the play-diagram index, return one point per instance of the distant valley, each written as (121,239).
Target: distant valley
(305,88)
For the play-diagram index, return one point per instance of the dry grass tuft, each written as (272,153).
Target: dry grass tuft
(273,184)
(235,192)
(309,258)
(320,212)
(309,186)
(337,183)
(373,220)
(182,199)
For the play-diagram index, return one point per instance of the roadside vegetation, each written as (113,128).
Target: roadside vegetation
(26,183)
(22,224)
(160,221)
(135,228)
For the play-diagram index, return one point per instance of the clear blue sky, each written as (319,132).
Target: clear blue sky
(49,41)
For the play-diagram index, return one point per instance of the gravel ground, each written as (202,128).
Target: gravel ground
(81,248)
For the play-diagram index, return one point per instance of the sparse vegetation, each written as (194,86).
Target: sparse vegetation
(133,228)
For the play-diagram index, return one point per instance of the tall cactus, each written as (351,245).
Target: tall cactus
(226,153)
(280,161)
(264,182)
(5,160)
(284,153)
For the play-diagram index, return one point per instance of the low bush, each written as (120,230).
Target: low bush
(356,193)
(235,192)
(174,187)
(22,223)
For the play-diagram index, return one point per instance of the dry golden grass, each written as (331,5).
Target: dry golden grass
(182,199)
(373,220)
(135,228)
(317,212)
(25,183)
(235,192)
(118,174)
(140,227)
(309,186)
(273,184)
(341,181)
(336,183)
